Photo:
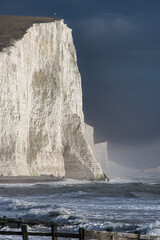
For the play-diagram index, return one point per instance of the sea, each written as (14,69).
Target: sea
(120,205)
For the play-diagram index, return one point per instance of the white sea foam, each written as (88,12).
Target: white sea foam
(91,205)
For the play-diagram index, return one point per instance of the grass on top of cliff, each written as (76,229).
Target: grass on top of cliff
(14,27)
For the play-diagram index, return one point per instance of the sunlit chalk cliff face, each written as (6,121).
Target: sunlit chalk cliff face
(41,117)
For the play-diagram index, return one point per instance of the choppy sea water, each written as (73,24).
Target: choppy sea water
(125,206)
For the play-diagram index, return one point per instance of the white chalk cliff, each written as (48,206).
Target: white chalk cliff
(42,127)
(99,149)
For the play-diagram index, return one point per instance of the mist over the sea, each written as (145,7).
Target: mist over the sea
(133,161)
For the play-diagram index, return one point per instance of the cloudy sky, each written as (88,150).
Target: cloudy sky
(118,48)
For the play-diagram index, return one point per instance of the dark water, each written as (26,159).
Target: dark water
(126,206)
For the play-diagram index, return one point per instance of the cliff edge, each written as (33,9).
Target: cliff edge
(41,118)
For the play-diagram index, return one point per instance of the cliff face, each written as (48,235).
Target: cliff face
(41,117)
(99,149)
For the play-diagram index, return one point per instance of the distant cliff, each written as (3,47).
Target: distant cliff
(42,127)
(99,150)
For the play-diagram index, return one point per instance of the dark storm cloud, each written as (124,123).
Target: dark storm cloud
(118,46)
(121,74)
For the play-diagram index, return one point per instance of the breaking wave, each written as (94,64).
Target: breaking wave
(126,206)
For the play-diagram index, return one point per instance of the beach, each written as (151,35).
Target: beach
(28,179)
